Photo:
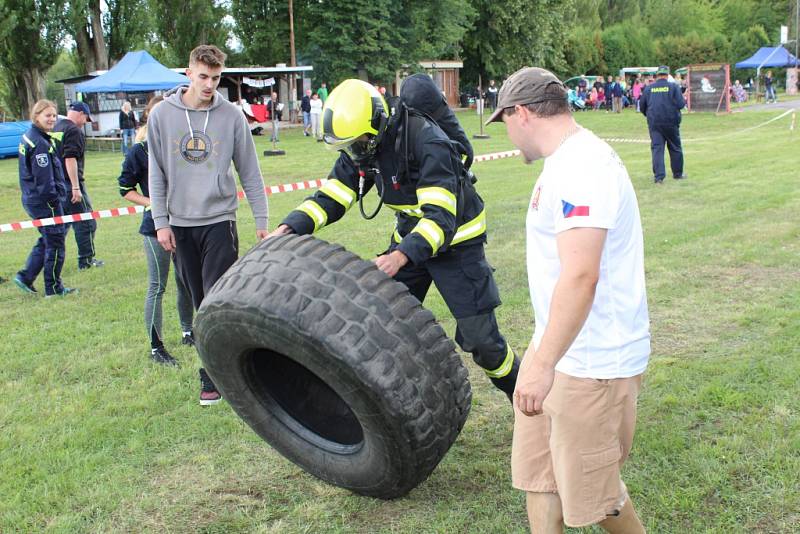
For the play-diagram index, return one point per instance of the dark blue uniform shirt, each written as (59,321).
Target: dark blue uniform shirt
(40,175)
(662,102)
(72,144)
(133,175)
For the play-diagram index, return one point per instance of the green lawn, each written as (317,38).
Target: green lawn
(96,438)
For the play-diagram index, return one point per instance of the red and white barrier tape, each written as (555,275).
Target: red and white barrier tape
(63,219)
(130,210)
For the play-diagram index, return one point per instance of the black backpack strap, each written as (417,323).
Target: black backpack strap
(411,121)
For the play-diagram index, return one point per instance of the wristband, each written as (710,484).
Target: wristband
(76,188)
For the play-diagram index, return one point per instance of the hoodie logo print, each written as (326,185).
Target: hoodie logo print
(196,147)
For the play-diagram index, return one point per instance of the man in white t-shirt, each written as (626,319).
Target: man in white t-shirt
(575,399)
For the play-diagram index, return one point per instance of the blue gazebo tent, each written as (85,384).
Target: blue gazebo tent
(770,57)
(137,71)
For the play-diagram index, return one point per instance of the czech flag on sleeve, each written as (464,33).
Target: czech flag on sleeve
(571,210)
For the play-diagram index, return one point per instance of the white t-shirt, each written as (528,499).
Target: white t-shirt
(585,184)
(316,106)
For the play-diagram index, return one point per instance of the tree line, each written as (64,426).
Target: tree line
(374,38)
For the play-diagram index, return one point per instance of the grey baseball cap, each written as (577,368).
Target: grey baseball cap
(526,86)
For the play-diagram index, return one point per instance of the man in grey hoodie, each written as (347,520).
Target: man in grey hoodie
(193,138)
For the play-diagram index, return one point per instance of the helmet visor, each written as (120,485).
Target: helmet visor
(361,149)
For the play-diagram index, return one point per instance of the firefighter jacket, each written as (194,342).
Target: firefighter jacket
(41,178)
(661,103)
(435,203)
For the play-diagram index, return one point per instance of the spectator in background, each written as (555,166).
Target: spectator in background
(592,100)
(127,125)
(609,92)
(316,115)
(273,106)
(305,107)
(739,93)
(770,88)
(491,95)
(636,90)
(44,192)
(598,83)
(135,174)
(617,92)
(322,92)
(71,150)
(601,97)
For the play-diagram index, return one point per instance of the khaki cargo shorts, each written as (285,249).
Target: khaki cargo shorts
(576,448)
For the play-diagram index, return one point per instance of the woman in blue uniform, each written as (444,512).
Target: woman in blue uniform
(43,194)
(134,174)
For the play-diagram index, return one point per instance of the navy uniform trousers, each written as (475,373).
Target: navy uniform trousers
(669,134)
(84,230)
(466,282)
(47,255)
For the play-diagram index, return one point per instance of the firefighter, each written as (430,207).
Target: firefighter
(661,103)
(440,219)
(44,193)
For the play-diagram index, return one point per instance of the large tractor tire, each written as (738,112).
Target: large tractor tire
(334,364)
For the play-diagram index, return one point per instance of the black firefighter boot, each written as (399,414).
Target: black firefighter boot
(507,383)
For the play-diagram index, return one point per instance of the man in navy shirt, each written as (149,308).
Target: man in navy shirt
(661,103)
(71,149)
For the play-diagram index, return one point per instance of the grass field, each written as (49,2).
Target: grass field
(96,438)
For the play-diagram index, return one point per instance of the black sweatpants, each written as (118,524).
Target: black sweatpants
(203,254)
(84,230)
(466,282)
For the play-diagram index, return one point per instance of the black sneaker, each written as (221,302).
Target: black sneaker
(25,287)
(187,339)
(658,180)
(681,176)
(208,391)
(160,355)
(94,262)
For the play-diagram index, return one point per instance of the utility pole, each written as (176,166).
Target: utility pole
(293,63)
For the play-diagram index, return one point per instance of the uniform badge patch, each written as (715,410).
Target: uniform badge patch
(42,160)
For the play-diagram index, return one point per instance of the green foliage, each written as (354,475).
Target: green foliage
(352,38)
(30,40)
(436,27)
(679,51)
(628,44)
(181,25)
(66,66)
(128,24)
(587,14)
(681,17)
(509,34)
(263,28)
(584,51)
(615,11)
(345,39)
